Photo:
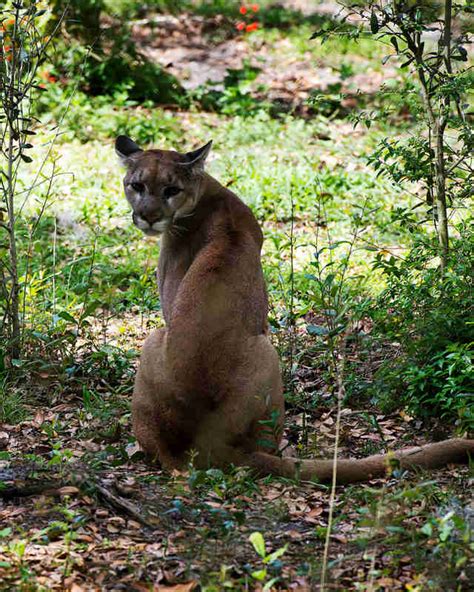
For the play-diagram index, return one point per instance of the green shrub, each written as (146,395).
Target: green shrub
(444,384)
(99,54)
(235,97)
(430,316)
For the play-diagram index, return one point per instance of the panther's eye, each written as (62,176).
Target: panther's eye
(171,191)
(138,187)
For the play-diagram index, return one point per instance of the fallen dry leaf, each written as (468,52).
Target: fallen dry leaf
(67,490)
(176,588)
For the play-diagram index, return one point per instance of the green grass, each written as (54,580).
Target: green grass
(269,163)
(336,52)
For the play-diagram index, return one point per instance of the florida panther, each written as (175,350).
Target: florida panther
(207,380)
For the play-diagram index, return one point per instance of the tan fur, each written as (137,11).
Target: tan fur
(208,379)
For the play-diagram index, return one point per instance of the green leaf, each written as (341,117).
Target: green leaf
(278,553)
(374,23)
(260,574)
(268,586)
(427,529)
(258,542)
(317,330)
(396,529)
(445,532)
(66,316)
(463,57)
(90,308)
(5,532)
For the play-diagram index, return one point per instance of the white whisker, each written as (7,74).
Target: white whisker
(186,215)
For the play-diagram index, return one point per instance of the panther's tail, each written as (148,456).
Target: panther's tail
(429,456)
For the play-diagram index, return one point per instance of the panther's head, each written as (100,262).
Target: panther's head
(162,186)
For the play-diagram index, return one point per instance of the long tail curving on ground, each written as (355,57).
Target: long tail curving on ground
(429,456)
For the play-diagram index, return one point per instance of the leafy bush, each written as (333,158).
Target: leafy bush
(98,52)
(234,98)
(444,383)
(430,316)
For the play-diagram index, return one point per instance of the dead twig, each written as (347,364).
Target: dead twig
(122,504)
(49,488)
(59,488)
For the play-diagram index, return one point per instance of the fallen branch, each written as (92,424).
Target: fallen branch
(122,504)
(62,488)
(50,488)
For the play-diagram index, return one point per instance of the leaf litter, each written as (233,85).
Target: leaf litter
(102,519)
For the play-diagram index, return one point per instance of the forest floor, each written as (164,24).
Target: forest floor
(80,510)
(89,514)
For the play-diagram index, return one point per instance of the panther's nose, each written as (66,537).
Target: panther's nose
(150,217)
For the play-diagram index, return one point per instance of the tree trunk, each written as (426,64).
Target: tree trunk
(14,296)
(437,126)
(440,196)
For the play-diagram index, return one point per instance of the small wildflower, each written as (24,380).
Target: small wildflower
(254,7)
(52,79)
(7,48)
(243,10)
(251,27)
(240,26)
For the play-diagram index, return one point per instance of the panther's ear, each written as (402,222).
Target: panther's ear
(125,148)
(196,158)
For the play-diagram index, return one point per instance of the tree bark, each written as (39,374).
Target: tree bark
(14,304)
(437,124)
(440,196)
